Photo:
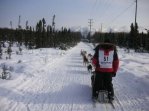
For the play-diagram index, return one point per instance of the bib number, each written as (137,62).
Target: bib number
(105,59)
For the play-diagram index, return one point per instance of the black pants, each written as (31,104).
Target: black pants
(102,81)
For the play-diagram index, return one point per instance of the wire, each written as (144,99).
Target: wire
(93,7)
(115,18)
(102,4)
(96,3)
(106,7)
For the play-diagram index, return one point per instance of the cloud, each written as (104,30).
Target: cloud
(117,29)
(124,29)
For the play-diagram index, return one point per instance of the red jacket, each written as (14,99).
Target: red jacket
(105,58)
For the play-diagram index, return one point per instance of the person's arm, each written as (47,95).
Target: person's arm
(94,62)
(95,59)
(115,63)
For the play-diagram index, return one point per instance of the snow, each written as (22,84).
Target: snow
(54,80)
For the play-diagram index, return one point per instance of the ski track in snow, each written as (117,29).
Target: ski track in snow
(64,85)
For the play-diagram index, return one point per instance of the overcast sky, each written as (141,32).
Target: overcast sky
(116,15)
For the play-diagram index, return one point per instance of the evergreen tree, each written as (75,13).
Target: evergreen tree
(131,40)
(43,33)
(136,37)
(39,34)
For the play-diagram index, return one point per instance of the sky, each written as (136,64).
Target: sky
(106,15)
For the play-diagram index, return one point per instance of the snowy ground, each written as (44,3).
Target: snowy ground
(55,80)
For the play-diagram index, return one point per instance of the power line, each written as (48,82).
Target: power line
(95,4)
(115,18)
(93,7)
(105,3)
(106,7)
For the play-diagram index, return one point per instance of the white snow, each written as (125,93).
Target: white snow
(55,80)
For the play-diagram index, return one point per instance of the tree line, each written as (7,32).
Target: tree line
(42,36)
(45,36)
(130,40)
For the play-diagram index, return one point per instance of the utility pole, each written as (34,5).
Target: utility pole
(90,26)
(53,23)
(11,24)
(101,34)
(101,28)
(19,26)
(135,38)
(27,27)
(136,12)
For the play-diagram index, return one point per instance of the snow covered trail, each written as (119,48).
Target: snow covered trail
(64,85)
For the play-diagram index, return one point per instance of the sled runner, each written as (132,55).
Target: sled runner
(103,96)
(103,99)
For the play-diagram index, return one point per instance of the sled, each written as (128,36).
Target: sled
(103,97)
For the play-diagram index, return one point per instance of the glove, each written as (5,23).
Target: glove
(113,74)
